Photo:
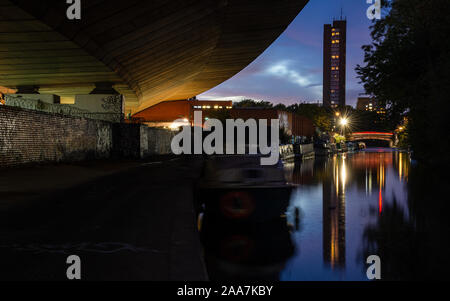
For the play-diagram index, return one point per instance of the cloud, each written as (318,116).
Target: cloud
(218,96)
(282,70)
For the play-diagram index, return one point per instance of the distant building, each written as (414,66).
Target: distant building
(165,113)
(334,64)
(293,124)
(369,104)
(365,104)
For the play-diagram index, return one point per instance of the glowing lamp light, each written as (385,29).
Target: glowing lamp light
(176,124)
(343,121)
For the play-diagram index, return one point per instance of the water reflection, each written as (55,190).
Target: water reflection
(346,195)
(333,208)
(344,209)
(246,250)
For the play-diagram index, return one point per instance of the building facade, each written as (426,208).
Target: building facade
(370,104)
(334,63)
(293,124)
(165,113)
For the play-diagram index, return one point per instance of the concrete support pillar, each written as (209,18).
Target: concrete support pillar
(111,106)
(104,88)
(27,89)
(47,98)
(32,93)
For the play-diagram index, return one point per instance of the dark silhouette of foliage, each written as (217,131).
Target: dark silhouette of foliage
(250,103)
(407,68)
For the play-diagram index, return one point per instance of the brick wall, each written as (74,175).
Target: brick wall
(15,100)
(126,141)
(28,136)
(159,141)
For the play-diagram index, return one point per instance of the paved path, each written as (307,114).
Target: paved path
(132,224)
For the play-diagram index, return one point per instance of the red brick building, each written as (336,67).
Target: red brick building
(294,124)
(165,113)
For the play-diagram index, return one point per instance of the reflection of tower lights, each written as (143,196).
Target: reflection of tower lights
(336,177)
(334,242)
(337,183)
(381,174)
(400,166)
(343,176)
(381,184)
(367,184)
(380,201)
(334,215)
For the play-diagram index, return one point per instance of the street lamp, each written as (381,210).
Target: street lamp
(343,122)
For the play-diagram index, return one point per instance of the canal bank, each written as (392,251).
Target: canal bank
(135,223)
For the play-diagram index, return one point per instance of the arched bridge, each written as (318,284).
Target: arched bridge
(367,136)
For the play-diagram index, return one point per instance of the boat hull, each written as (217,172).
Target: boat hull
(245,203)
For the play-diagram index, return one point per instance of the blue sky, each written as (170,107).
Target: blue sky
(290,70)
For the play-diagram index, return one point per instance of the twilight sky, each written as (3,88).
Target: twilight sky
(290,70)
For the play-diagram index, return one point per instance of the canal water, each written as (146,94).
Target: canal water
(343,209)
(340,199)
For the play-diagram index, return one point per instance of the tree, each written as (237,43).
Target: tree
(320,116)
(339,138)
(407,68)
(250,103)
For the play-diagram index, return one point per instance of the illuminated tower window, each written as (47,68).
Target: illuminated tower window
(334,56)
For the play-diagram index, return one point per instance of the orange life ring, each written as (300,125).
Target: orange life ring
(237,204)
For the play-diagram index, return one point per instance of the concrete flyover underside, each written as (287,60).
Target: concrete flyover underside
(152,51)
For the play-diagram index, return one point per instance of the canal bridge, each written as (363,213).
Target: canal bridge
(386,137)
